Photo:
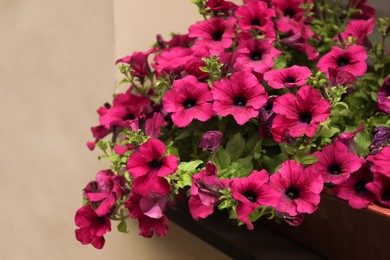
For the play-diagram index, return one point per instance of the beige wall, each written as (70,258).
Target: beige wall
(56,67)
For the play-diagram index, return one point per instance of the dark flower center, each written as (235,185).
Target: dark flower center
(360,186)
(305,117)
(386,195)
(239,101)
(217,35)
(342,61)
(155,164)
(289,80)
(268,107)
(255,21)
(189,102)
(334,169)
(129,117)
(250,195)
(256,55)
(292,192)
(289,12)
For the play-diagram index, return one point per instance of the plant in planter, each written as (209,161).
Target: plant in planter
(254,111)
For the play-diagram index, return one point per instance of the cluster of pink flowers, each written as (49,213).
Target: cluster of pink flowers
(250,111)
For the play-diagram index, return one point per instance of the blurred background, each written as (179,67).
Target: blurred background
(56,68)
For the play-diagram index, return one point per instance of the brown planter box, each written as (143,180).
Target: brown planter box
(337,231)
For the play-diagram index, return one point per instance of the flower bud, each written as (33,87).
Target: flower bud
(211,140)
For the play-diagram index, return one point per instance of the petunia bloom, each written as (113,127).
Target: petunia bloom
(211,140)
(252,192)
(298,189)
(384,96)
(138,62)
(381,189)
(380,162)
(188,100)
(299,115)
(255,15)
(348,138)
(240,96)
(352,60)
(359,29)
(288,77)
(92,228)
(149,166)
(354,188)
(336,163)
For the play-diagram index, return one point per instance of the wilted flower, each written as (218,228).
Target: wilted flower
(211,140)
(381,136)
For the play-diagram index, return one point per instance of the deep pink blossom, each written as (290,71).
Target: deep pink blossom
(255,15)
(188,100)
(211,140)
(153,125)
(381,189)
(359,29)
(228,59)
(215,34)
(348,138)
(384,96)
(289,8)
(205,192)
(336,163)
(354,189)
(99,131)
(381,162)
(107,188)
(221,6)
(149,165)
(367,11)
(298,189)
(252,192)
(172,61)
(149,212)
(288,77)
(138,62)
(299,115)
(340,77)
(256,55)
(92,228)
(266,116)
(352,60)
(240,96)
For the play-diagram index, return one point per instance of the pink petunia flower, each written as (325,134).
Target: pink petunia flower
(381,189)
(172,61)
(336,163)
(352,60)
(211,140)
(299,115)
(92,228)
(266,116)
(252,192)
(288,77)
(255,15)
(348,138)
(205,192)
(381,162)
(383,96)
(188,100)
(298,189)
(354,188)
(215,34)
(149,165)
(221,6)
(256,55)
(359,30)
(138,62)
(289,8)
(107,188)
(367,11)
(340,77)
(149,212)
(240,96)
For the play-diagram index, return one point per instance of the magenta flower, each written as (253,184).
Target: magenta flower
(359,30)
(221,6)
(211,140)
(138,61)
(92,228)
(240,96)
(215,34)
(381,162)
(367,11)
(289,8)
(172,61)
(252,192)
(381,189)
(266,116)
(205,192)
(298,189)
(288,77)
(336,163)
(348,138)
(188,100)
(299,115)
(256,55)
(384,96)
(354,189)
(149,165)
(107,188)
(255,15)
(149,212)
(340,77)
(352,60)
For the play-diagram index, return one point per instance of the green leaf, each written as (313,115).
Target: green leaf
(235,146)
(280,62)
(189,166)
(184,134)
(122,226)
(221,159)
(329,132)
(245,166)
(310,159)
(362,141)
